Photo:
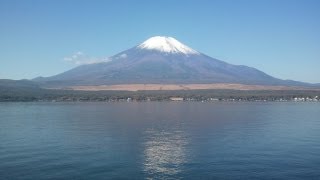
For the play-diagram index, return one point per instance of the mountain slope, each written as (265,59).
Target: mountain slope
(163,60)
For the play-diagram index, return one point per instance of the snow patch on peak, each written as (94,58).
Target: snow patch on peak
(166,44)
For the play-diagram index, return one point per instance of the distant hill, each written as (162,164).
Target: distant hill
(7,84)
(19,90)
(163,60)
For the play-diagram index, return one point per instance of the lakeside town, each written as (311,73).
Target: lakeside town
(129,99)
(165,98)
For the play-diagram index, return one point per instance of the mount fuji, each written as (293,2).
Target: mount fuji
(163,60)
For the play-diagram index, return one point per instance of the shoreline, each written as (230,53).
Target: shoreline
(185,87)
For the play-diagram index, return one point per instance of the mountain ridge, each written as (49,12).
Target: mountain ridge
(163,60)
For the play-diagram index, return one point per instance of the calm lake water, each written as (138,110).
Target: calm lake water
(160,140)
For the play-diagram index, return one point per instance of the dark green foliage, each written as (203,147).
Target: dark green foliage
(25,90)
(39,94)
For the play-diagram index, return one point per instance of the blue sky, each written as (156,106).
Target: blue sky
(279,37)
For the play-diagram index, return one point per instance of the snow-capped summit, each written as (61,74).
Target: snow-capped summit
(167,45)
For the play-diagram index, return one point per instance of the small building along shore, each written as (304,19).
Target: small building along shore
(176,98)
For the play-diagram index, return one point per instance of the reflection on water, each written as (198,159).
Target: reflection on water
(164,153)
(160,140)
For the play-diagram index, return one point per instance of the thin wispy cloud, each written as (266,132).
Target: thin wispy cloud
(80,58)
(123,56)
